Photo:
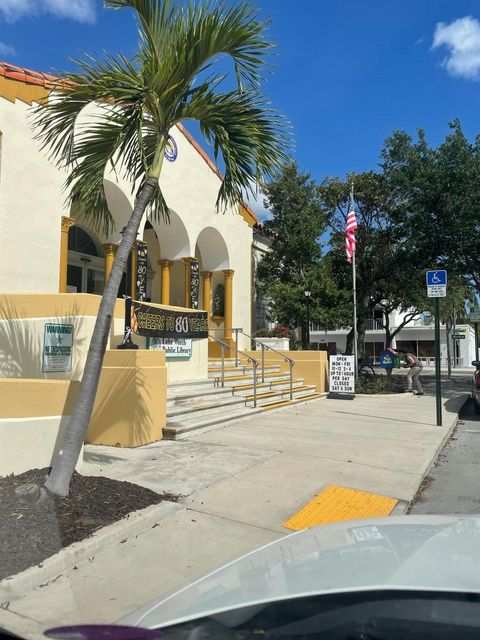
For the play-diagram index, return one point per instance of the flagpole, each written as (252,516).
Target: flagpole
(354,276)
(355,337)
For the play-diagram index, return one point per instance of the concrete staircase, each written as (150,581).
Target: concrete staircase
(203,404)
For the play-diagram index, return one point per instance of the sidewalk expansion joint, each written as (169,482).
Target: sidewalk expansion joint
(242,522)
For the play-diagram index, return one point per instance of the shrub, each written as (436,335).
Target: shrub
(219,301)
(373,384)
(278,331)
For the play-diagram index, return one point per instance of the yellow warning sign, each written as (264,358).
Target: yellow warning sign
(335,504)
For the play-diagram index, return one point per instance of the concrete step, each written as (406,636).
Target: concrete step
(190,383)
(205,405)
(200,391)
(270,397)
(184,424)
(239,380)
(305,398)
(247,389)
(178,428)
(216,404)
(238,371)
(229,362)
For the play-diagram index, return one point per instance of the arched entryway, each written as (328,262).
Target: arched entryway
(217,282)
(169,251)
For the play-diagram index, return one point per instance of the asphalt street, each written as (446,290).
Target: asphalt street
(453,484)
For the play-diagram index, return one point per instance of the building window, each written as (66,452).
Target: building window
(426,348)
(407,345)
(81,242)
(86,264)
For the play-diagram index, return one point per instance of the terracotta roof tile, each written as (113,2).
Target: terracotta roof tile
(28,76)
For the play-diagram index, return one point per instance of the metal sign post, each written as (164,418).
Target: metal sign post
(438,381)
(437,288)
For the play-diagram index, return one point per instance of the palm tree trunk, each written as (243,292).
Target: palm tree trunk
(64,464)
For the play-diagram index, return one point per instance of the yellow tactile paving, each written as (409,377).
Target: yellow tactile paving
(340,503)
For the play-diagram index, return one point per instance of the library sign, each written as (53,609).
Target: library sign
(175,348)
(57,348)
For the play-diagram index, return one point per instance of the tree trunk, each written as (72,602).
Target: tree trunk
(386,326)
(361,328)
(349,345)
(64,464)
(449,361)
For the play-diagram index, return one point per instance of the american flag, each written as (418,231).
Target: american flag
(350,242)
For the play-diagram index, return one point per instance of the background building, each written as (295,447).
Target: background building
(418,336)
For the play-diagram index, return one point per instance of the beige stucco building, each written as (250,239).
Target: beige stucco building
(53,267)
(47,248)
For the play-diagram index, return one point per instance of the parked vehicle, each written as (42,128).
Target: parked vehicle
(408,576)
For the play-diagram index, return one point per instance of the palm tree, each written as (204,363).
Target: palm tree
(138,101)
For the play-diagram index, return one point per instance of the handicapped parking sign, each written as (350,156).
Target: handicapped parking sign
(436,284)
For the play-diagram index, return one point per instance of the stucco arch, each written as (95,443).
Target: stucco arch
(213,250)
(120,206)
(173,237)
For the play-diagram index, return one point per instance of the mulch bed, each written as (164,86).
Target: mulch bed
(29,533)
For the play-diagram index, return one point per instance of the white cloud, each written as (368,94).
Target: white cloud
(462,39)
(7,50)
(80,10)
(255,202)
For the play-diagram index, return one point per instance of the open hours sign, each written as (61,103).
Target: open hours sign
(342,375)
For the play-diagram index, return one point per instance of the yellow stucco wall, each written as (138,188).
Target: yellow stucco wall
(30,217)
(33,417)
(22,322)
(195,368)
(312,366)
(131,405)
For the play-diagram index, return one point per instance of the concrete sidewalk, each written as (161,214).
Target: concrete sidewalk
(239,484)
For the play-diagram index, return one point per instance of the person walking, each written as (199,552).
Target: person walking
(416,368)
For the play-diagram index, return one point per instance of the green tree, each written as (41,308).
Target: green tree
(437,193)
(295,263)
(390,270)
(138,101)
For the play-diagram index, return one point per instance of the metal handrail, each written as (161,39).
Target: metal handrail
(267,347)
(254,362)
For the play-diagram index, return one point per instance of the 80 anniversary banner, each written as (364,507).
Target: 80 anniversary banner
(153,322)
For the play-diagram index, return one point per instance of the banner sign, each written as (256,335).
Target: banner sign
(155,322)
(57,348)
(342,375)
(141,279)
(194,283)
(175,348)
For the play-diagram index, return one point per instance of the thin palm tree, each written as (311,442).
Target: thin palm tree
(137,103)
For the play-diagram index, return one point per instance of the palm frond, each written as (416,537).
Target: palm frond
(182,41)
(134,103)
(252,138)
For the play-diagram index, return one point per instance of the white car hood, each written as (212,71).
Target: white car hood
(436,553)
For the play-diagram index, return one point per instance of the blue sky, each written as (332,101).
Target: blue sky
(348,71)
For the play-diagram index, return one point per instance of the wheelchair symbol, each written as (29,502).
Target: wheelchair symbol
(435,279)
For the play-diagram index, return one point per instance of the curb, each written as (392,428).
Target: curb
(80,552)
(444,441)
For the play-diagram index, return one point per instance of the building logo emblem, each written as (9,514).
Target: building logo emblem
(171,150)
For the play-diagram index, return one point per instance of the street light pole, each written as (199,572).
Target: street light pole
(307,296)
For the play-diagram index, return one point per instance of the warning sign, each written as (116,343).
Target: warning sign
(57,348)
